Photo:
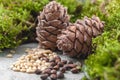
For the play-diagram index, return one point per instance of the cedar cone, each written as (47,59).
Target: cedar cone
(76,40)
(51,21)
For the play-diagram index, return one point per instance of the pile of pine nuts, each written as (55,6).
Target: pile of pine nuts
(35,59)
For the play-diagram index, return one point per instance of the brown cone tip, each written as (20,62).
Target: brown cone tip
(76,40)
(51,21)
(95,24)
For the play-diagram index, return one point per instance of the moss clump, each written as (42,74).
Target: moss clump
(104,63)
(16,17)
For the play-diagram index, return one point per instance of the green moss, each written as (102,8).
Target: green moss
(104,63)
(113,10)
(90,9)
(16,17)
(101,64)
(8,30)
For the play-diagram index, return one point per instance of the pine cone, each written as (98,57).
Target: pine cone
(76,40)
(51,20)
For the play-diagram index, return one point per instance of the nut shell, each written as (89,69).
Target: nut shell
(74,70)
(60,75)
(44,76)
(53,77)
(38,72)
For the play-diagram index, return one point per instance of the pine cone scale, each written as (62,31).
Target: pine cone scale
(52,38)
(47,44)
(49,17)
(81,28)
(72,29)
(44,23)
(95,25)
(55,23)
(87,39)
(44,33)
(85,49)
(79,36)
(40,38)
(50,29)
(71,36)
(78,46)
(62,26)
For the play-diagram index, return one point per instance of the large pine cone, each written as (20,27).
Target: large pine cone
(51,20)
(76,40)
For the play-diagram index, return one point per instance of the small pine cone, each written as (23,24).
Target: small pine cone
(76,40)
(51,21)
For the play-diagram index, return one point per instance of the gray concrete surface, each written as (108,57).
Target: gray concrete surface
(7,74)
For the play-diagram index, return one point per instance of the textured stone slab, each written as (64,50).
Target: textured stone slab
(7,74)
